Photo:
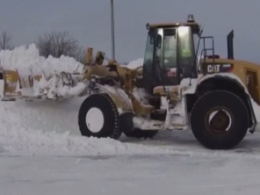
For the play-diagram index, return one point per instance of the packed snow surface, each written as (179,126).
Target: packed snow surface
(42,151)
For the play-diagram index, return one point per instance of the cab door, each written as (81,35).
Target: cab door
(148,80)
(167,58)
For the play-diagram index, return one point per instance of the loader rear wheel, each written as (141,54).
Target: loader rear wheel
(219,120)
(98,117)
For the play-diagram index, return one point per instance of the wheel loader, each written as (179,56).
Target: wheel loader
(171,90)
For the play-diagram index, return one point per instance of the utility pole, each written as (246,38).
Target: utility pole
(112,29)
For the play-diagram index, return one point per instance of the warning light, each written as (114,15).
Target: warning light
(191,18)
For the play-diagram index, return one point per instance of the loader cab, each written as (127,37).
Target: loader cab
(170,53)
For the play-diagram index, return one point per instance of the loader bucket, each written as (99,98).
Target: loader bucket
(14,84)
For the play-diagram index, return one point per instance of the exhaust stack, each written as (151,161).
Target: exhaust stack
(230,46)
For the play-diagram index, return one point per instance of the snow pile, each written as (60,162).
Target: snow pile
(20,141)
(28,57)
(51,128)
(54,72)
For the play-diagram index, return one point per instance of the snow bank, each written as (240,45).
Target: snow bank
(28,57)
(51,128)
(28,62)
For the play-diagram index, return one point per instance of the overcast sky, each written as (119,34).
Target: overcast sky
(89,22)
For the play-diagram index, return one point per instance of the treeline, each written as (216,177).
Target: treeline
(53,43)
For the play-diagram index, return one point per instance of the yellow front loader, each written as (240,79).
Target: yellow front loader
(171,90)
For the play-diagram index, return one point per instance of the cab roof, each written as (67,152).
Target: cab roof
(190,22)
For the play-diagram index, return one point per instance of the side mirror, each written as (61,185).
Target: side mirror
(151,35)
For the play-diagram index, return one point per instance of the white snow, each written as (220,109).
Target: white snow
(135,63)
(42,152)
(54,72)
(146,175)
(24,58)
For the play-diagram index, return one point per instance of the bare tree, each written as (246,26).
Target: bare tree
(80,55)
(5,41)
(57,44)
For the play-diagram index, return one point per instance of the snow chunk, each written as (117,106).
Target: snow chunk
(135,63)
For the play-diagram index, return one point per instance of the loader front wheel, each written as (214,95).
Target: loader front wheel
(219,120)
(138,133)
(98,117)
(127,127)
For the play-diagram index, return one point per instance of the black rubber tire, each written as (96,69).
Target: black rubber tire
(126,122)
(111,127)
(138,133)
(127,127)
(235,106)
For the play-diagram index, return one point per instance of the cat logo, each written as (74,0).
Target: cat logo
(213,68)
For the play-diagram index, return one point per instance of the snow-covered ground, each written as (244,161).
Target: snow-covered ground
(42,152)
(143,174)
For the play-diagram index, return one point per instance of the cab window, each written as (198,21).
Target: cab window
(169,48)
